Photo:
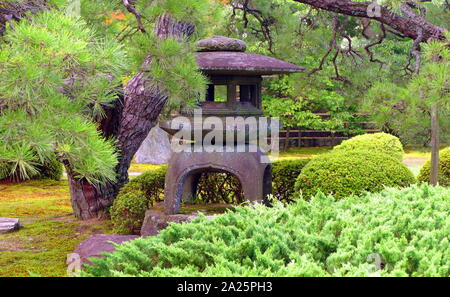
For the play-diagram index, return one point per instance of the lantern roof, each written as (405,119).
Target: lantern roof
(223,55)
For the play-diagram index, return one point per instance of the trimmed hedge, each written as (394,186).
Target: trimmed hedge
(284,175)
(378,142)
(343,173)
(444,169)
(407,229)
(52,169)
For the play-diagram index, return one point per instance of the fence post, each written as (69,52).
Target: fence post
(286,139)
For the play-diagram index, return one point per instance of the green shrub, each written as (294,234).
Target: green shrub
(408,228)
(128,212)
(378,142)
(219,187)
(284,175)
(129,207)
(343,173)
(444,169)
(52,169)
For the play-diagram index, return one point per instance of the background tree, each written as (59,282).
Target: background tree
(360,54)
(346,53)
(422,105)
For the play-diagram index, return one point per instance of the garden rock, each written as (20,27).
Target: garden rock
(9,225)
(95,245)
(155,149)
(155,221)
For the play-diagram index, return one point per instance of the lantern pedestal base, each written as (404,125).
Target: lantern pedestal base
(248,167)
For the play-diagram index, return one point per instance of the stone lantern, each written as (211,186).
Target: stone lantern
(234,91)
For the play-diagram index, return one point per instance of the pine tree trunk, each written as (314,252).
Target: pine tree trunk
(434,172)
(89,202)
(130,123)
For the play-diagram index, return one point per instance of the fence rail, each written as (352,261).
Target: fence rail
(304,138)
(295,137)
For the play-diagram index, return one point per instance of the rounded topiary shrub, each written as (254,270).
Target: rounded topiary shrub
(284,175)
(129,207)
(444,169)
(379,142)
(343,173)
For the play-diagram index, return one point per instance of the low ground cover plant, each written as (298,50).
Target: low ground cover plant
(407,230)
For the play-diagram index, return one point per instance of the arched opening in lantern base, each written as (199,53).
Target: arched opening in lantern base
(211,187)
(216,183)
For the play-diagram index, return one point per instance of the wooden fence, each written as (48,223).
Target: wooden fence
(313,138)
(295,137)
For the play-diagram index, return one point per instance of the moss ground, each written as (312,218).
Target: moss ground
(50,230)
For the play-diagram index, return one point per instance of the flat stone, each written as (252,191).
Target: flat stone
(9,225)
(95,245)
(155,221)
(222,44)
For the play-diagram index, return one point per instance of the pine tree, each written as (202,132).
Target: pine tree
(55,79)
(431,88)
(61,88)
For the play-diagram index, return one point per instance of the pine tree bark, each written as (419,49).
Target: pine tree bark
(130,122)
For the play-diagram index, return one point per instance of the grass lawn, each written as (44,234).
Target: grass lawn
(51,231)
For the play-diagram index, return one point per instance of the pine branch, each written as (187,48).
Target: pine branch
(129,5)
(407,25)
